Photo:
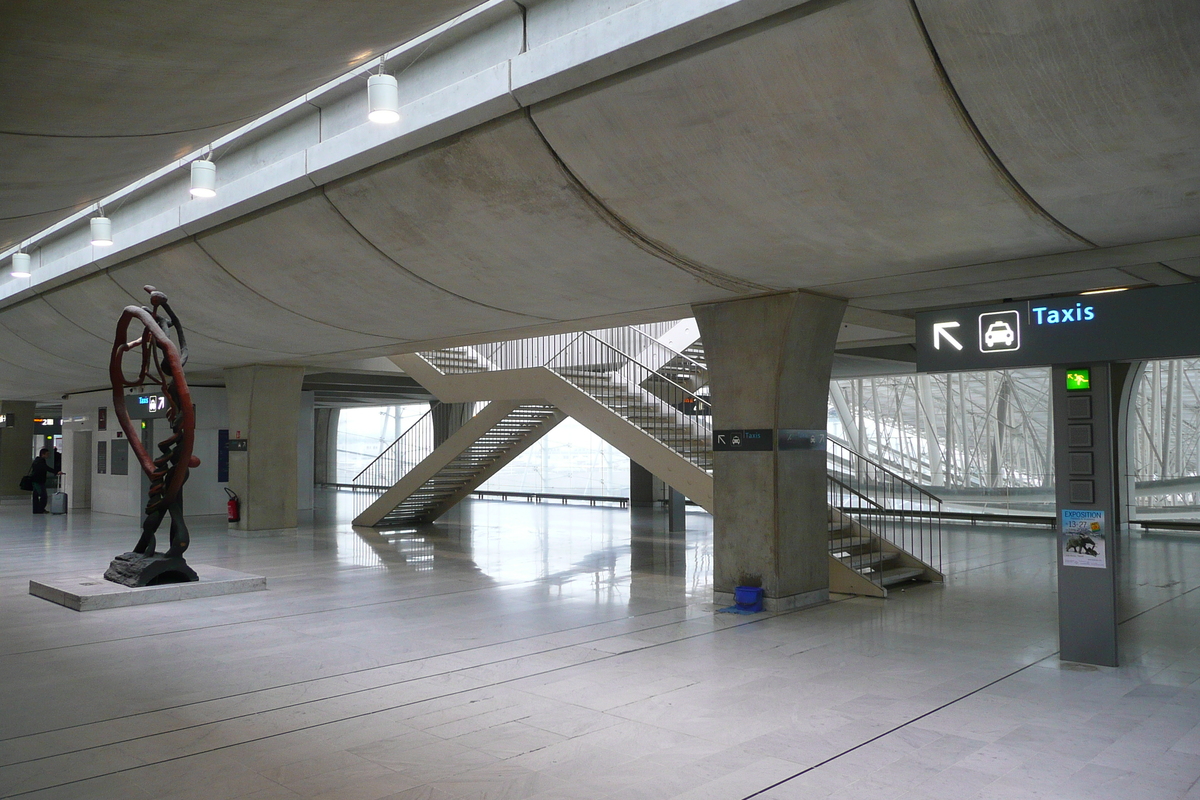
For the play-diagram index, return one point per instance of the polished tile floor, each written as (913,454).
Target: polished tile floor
(542,651)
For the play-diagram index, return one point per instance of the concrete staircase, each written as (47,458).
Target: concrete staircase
(864,563)
(639,405)
(483,446)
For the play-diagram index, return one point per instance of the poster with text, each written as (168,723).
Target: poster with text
(1083,539)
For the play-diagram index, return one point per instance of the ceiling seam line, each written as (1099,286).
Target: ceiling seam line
(205,336)
(644,243)
(992,156)
(417,277)
(151,135)
(196,241)
(37,345)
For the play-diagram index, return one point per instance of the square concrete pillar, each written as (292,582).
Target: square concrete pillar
(769,360)
(16,446)
(264,409)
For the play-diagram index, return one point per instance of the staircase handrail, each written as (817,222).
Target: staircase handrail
(846,446)
(394,444)
(635,362)
(678,354)
(855,492)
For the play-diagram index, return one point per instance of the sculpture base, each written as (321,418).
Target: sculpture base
(90,592)
(135,569)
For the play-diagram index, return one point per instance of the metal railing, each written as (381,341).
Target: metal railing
(411,448)
(617,381)
(599,364)
(537,351)
(885,504)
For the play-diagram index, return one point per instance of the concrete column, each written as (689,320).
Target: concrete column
(769,360)
(641,486)
(16,446)
(325,445)
(676,510)
(447,419)
(264,407)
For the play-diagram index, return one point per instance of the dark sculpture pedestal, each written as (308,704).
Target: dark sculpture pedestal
(135,569)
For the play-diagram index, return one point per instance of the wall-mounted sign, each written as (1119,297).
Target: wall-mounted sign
(1079,380)
(7,420)
(237,444)
(146,406)
(798,439)
(1083,539)
(102,419)
(1115,326)
(744,439)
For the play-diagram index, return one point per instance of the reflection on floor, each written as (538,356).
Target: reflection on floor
(521,650)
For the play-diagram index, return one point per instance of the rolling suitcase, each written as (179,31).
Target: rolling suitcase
(58,501)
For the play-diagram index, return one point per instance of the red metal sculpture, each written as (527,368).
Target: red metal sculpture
(162,363)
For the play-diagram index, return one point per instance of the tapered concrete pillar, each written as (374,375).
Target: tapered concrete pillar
(325,428)
(16,445)
(264,408)
(769,360)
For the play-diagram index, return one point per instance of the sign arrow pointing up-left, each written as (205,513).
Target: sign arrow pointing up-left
(940,332)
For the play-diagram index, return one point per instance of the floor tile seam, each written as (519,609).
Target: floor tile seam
(1168,601)
(444,673)
(314,726)
(256,620)
(896,728)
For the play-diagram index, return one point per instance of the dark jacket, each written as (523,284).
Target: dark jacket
(39,470)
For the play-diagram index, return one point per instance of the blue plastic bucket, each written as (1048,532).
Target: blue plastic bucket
(748,597)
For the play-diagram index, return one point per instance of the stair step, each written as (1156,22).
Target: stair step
(890,577)
(848,542)
(868,560)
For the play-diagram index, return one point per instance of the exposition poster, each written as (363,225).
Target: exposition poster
(1083,539)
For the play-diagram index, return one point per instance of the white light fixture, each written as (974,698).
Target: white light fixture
(204,179)
(1106,291)
(20,265)
(383,99)
(101,230)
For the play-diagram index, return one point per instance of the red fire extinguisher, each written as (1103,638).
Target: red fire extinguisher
(233,507)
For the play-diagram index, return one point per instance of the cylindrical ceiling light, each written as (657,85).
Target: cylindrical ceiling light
(204,179)
(20,265)
(383,99)
(101,230)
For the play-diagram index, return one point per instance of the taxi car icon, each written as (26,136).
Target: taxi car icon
(999,333)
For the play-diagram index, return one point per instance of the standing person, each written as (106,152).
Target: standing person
(39,471)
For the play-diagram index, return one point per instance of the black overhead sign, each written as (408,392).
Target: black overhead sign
(1162,322)
(744,439)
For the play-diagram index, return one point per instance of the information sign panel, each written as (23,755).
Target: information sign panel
(734,439)
(1113,326)
(146,406)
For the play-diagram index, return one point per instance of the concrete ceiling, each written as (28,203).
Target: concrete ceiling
(95,95)
(902,155)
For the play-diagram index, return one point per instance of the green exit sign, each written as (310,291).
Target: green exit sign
(1078,380)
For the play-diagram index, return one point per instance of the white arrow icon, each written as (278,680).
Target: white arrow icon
(939,331)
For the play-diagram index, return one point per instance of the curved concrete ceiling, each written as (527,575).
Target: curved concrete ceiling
(96,95)
(1093,107)
(490,216)
(904,154)
(799,153)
